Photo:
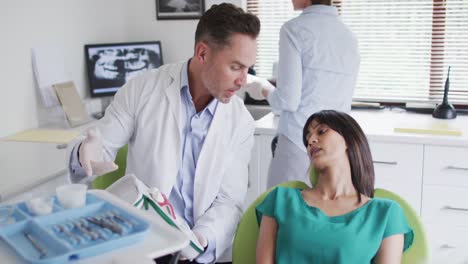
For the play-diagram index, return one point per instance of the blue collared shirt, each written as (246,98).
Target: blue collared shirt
(195,127)
(317,69)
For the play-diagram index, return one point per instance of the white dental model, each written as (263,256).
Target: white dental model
(40,205)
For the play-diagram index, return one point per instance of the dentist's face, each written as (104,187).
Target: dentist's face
(225,70)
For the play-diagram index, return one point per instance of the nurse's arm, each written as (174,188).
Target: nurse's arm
(390,250)
(266,243)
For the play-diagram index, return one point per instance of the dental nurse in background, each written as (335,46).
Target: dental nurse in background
(317,69)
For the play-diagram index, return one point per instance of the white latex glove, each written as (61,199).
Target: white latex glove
(91,156)
(255,86)
(201,239)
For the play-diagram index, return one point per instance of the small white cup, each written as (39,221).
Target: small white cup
(72,195)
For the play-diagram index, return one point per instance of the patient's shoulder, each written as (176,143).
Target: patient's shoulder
(280,195)
(386,208)
(285,191)
(384,202)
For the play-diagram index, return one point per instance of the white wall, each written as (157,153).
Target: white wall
(71,24)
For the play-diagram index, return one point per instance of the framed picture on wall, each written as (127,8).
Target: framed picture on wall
(179,9)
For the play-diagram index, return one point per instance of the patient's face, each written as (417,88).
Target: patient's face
(325,146)
(121,63)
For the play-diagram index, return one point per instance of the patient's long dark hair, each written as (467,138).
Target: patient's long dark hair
(358,151)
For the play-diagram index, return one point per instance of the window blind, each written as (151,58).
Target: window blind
(405,46)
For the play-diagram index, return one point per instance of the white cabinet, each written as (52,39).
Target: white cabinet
(447,245)
(395,164)
(26,165)
(445,205)
(445,202)
(258,168)
(446,166)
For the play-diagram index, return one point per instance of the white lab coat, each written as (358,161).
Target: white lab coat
(145,114)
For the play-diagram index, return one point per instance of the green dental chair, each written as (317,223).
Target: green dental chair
(245,240)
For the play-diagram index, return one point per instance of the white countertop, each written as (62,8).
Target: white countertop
(380,125)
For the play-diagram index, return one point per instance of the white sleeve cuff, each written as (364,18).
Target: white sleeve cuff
(210,252)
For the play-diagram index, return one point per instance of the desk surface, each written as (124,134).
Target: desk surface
(24,165)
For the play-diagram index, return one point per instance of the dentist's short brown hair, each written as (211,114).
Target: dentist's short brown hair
(220,22)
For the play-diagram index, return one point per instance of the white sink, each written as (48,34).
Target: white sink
(258,111)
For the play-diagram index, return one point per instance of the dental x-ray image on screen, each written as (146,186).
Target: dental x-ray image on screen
(111,65)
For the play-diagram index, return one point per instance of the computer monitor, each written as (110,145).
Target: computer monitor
(110,65)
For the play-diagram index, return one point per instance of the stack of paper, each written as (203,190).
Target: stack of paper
(430,128)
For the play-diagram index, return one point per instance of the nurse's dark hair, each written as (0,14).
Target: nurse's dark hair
(218,23)
(358,151)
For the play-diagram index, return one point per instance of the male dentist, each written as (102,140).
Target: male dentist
(186,133)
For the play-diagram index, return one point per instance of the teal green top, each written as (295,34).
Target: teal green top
(306,235)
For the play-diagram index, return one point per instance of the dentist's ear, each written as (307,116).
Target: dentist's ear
(201,49)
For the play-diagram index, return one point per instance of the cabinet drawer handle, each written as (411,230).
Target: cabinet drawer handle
(446,246)
(385,162)
(450,167)
(448,207)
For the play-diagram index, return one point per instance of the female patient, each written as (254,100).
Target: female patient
(336,221)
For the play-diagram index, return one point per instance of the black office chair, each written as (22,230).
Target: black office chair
(274,142)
